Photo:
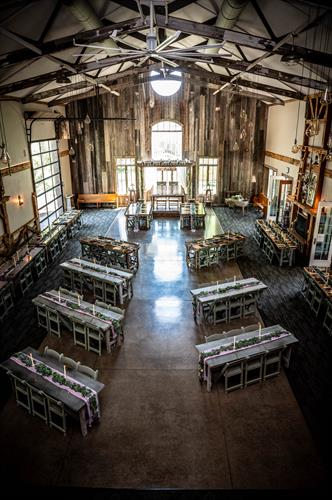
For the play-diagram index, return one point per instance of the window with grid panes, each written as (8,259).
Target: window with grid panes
(125,175)
(47,177)
(166,141)
(207,175)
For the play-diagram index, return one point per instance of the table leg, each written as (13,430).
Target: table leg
(84,428)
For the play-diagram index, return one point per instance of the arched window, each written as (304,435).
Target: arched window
(166,141)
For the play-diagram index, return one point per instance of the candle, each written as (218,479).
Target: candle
(17,255)
(78,300)
(32,362)
(234,343)
(259,330)
(59,295)
(106,269)
(234,280)
(94,309)
(64,371)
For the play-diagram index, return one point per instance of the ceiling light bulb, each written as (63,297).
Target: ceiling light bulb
(87,119)
(295,147)
(71,151)
(326,98)
(236,146)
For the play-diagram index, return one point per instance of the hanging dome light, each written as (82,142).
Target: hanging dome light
(87,119)
(71,151)
(165,87)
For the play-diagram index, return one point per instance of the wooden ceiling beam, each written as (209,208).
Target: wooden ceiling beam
(245,39)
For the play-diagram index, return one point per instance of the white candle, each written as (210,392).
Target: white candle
(94,309)
(234,280)
(234,343)
(78,300)
(106,269)
(64,370)
(59,295)
(259,330)
(32,362)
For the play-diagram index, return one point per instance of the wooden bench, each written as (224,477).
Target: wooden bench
(97,198)
(261,201)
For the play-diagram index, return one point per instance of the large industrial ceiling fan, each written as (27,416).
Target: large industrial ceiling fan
(156,51)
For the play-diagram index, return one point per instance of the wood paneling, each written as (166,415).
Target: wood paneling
(207,131)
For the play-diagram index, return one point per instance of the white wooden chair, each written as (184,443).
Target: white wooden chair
(22,393)
(56,414)
(233,374)
(88,371)
(38,403)
(253,371)
(272,363)
(51,353)
(69,362)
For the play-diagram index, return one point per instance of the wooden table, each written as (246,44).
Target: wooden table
(218,361)
(110,285)
(53,239)
(206,252)
(54,309)
(19,269)
(317,291)
(138,216)
(216,302)
(111,252)
(72,220)
(275,241)
(192,215)
(169,203)
(73,404)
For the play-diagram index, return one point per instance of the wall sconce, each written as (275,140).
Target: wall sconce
(20,200)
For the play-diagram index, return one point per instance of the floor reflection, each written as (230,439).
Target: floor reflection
(168,309)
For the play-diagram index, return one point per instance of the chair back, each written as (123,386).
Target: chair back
(69,362)
(215,336)
(51,353)
(88,371)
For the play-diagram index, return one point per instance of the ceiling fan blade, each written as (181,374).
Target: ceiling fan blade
(221,88)
(163,59)
(142,61)
(185,57)
(197,47)
(209,57)
(168,41)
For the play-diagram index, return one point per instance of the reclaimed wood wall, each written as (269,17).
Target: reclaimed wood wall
(211,125)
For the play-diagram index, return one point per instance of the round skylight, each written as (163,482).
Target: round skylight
(166,87)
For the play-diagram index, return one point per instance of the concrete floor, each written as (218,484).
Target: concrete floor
(160,428)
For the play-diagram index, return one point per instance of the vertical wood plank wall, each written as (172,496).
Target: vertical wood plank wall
(207,131)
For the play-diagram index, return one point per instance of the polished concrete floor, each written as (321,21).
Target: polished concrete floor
(159,427)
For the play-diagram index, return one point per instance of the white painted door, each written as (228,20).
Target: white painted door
(273,195)
(321,250)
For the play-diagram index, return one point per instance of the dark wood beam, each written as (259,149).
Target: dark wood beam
(219,61)
(50,20)
(263,19)
(91,36)
(236,37)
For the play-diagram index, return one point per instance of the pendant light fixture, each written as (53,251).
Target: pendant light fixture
(87,119)
(71,151)
(236,146)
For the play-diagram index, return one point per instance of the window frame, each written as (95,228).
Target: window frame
(127,163)
(44,214)
(204,161)
(178,129)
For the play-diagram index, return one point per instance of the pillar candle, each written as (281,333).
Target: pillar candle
(78,300)
(32,362)
(94,309)
(259,330)
(234,280)
(59,294)
(234,343)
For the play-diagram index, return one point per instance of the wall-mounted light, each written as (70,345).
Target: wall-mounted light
(20,200)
